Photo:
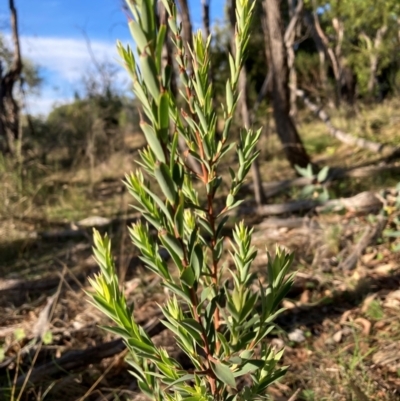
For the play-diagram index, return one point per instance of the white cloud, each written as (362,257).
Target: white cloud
(64,62)
(44,103)
(68,58)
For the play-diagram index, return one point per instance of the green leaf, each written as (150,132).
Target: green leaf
(164,179)
(174,146)
(138,35)
(119,331)
(229,97)
(178,291)
(323,174)
(224,374)
(227,126)
(250,366)
(162,30)
(146,18)
(224,343)
(173,243)
(271,378)
(188,277)
(206,225)
(179,221)
(149,74)
(171,327)
(206,293)
(196,260)
(104,306)
(142,346)
(153,141)
(163,116)
(47,337)
(248,307)
(178,175)
(160,203)
(246,354)
(183,378)
(192,324)
(229,200)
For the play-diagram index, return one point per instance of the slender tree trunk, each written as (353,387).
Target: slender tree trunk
(167,58)
(287,132)
(373,48)
(333,59)
(205,8)
(187,30)
(289,38)
(244,111)
(309,23)
(9,110)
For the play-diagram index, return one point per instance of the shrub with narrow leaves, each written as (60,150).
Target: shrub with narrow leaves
(218,315)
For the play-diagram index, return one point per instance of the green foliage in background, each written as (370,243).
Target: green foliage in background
(219,314)
(361,21)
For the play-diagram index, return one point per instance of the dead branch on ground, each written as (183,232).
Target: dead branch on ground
(274,188)
(364,202)
(340,135)
(371,234)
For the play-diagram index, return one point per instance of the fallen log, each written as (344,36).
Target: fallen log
(371,234)
(291,222)
(79,359)
(364,202)
(340,135)
(16,287)
(83,228)
(274,188)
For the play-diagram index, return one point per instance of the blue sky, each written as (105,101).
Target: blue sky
(51,36)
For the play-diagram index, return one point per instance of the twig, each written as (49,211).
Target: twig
(81,358)
(49,315)
(276,187)
(370,235)
(294,395)
(364,202)
(341,135)
(111,365)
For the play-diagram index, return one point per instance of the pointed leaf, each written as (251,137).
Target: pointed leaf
(224,374)
(153,141)
(164,179)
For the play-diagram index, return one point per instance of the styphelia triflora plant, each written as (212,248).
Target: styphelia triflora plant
(219,323)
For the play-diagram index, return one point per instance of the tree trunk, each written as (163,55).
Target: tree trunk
(9,110)
(309,23)
(244,111)
(373,49)
(289,38)
(167,58)
(205,8)
(287,132)
(187,31)
(335,63)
